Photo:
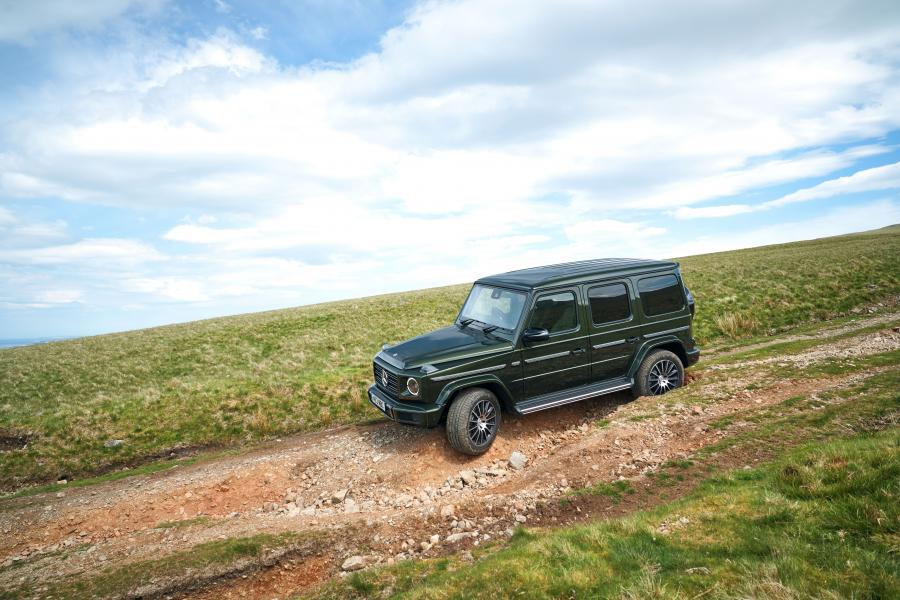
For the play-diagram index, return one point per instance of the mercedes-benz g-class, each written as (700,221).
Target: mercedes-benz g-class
(538,338)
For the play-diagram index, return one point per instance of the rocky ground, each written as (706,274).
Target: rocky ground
(380,493)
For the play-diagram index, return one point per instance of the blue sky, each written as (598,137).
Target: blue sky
(164,161)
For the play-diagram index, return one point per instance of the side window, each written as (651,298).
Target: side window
(660,295)
(609,303)
(555,313)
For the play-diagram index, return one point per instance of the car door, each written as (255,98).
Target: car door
(562,361)
(615,327)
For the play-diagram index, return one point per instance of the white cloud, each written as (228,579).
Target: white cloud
(875,179)
(96,252)
(609,229)
(172,288)
(706,212)
(886,177)
(59,296)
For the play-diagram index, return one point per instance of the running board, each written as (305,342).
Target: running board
(583,392)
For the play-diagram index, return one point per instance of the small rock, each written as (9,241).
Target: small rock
(454,538)
(447,511)
(434,539)
(468,477)
(112,443)
(354,563)
(338,496)
(517,460)
(521,518)
(696,410)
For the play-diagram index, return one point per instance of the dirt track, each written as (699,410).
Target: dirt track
(379,491)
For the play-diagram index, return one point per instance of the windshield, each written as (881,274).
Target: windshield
(493,306)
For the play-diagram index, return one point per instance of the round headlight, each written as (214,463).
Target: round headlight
(413,386)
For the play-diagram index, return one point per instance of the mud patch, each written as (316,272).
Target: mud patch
(10,441)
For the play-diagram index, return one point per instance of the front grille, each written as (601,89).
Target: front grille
(393,385)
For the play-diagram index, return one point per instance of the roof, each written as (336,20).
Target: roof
(574,271)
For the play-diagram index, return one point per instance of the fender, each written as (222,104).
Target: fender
(649,345)
(475,380)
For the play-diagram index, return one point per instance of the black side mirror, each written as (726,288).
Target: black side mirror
(531,336)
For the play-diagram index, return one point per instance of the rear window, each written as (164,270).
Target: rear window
(660,295)
(609,303)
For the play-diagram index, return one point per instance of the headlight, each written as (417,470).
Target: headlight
(412,386)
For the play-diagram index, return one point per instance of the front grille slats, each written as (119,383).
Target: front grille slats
(393,384)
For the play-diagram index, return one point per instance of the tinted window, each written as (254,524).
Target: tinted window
(609,303)
(661,295)
(555,312)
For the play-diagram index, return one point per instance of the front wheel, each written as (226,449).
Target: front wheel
(660,372)
(473,421)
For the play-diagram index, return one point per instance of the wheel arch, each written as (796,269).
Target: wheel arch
(489,382)
(670,343)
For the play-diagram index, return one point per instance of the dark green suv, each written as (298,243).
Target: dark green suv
(539,338)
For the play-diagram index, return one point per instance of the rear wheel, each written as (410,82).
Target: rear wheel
(660,372)
(473,421)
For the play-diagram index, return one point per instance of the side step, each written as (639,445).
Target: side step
(583,392)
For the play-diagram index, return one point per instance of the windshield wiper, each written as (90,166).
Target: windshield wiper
(465,323)
(489,328)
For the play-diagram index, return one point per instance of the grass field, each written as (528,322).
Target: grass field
(222,382)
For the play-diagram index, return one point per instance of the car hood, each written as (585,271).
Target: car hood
(443,345)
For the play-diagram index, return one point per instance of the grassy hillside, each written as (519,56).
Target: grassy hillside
(228,380)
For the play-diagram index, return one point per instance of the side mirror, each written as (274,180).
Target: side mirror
(531,336)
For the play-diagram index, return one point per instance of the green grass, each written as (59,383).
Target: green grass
(228,381)
(818,521)
(615,490)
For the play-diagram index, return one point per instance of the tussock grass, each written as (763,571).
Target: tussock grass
(229,381)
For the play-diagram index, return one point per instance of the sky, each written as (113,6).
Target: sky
(163,161)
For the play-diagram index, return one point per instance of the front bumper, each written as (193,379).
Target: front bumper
(420,415)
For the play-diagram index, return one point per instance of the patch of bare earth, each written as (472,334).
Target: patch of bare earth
(379,492)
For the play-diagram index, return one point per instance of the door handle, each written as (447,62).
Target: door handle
(578,351)
(632,340)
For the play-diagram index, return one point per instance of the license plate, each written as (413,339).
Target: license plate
(378,402)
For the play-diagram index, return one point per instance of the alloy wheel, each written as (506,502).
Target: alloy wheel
(482,422)
(663,377)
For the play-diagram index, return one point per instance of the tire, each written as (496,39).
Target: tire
(473,421)
(660,372)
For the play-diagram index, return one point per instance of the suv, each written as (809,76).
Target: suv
(537,338)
